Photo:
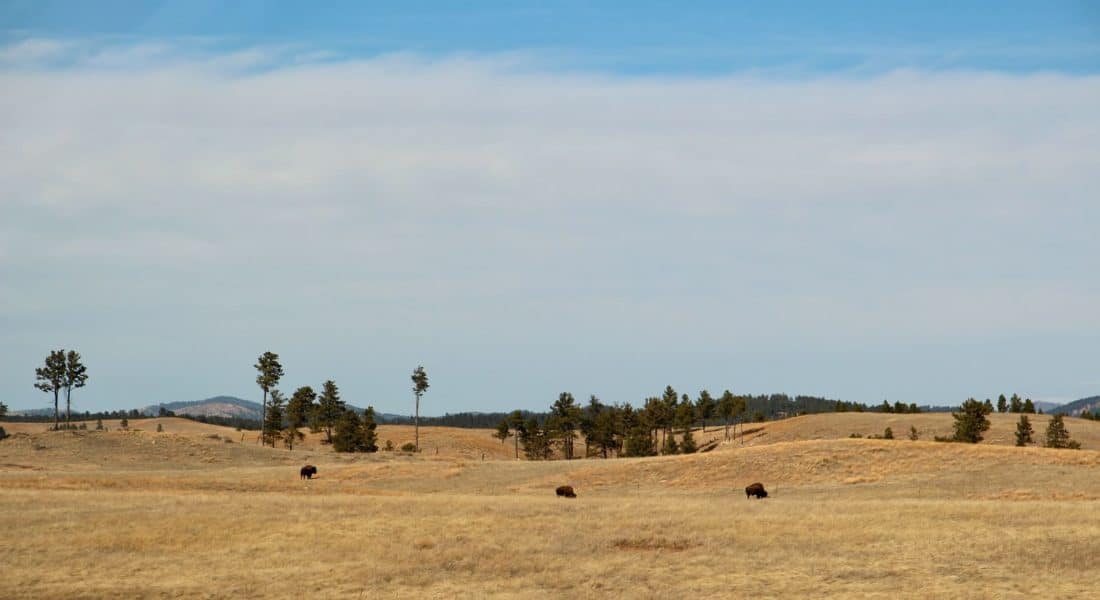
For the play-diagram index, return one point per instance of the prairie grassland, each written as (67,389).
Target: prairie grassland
(847,518)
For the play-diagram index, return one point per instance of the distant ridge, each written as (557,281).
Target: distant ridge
(1091,404)
(217,406)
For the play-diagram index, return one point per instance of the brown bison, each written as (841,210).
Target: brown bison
(756,489)
(566,491)
(308,471)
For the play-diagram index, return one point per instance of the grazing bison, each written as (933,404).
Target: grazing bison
(308,471)
(566,490)
(756,489)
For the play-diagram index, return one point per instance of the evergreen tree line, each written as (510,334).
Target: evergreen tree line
(661,425)
(283,418)
(1012,405)
(971,423)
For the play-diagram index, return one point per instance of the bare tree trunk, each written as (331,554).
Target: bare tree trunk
(517,444)
(56,414)
(68,411)
(416,423)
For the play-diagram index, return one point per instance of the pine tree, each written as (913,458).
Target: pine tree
(1002,404)
(1015,405)
(517,422)
(369,433)
(124,423)
(971,421)
(420,385)
(685,418)
(566,419)
(913,435)
(727,408)
(705,407)
(1058,436)
(347,432)
(888,434)
(1029,406)
(687,445)
(1024,431)
(99,424)
(268,376)
(160,428)
(50,378)
(669,447)
(329,408)
(76,376)
(300,409)
(273,419)
(504,430)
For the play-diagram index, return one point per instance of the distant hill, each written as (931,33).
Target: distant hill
(218,406)
(1091,404)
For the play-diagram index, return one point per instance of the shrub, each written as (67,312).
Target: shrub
(913,435)
(1058,435)
(888,434)
(3,434)
(83,426)
(408,447)
(1024,432)
(160,428)
(124,423)
(389,446)
(855,435)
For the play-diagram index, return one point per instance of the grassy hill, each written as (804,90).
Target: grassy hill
(146,514)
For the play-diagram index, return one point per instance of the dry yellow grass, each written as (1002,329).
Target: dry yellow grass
(113,515)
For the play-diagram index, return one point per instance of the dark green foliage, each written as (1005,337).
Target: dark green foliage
(537,445)
(504,431)
(3,410)
(50,378)
(563,422)
(913,435)
(669,447)
(300,409)
(1058,435)
(273,421)
(988,406)
(855,435)
(99,424)
(160,428)
(329,408)
(1002,404)
(124,423)
(705,407)
(269,372)
(885,407)
(353,434)
(600,426)
(389,446)
(518,423)
(1029,406)
(687,445)
(971,421)
(76,376)
(420,385)
(888,434)
(3,434)
(1024,431)
(1015,405)
(408,447)
(758,417)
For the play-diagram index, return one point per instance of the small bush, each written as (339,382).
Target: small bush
(160,428)
(3,434)
(913,435)
(408,447)
(888,434)
(855,435)
(389,446)
(83,426)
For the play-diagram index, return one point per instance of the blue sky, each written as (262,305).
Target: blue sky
(857,200)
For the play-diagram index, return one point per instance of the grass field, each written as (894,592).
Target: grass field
(184,514)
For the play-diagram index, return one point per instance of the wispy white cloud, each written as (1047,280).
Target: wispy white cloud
(479,206)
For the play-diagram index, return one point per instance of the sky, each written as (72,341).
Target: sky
(857,200)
